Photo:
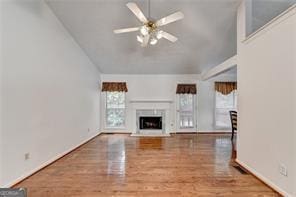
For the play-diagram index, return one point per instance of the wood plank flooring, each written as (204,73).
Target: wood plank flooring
(120,165)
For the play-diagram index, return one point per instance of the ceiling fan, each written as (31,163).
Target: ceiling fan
(149,30)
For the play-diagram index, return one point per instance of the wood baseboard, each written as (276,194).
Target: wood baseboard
(261,179)
(188,132)
(218,132)
(116,132)
(55,159)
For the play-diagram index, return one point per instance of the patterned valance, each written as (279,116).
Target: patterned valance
(186,89)
(114,87)
(225,87)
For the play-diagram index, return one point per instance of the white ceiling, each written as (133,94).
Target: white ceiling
(207,34)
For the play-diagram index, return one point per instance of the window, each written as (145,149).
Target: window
(115,109)
(224,104)
(255,18)
(186,112)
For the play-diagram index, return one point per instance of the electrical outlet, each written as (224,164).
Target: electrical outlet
(88,130)
(283,170)
(27,156)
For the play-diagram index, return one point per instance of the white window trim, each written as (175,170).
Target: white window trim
(195,123)
(105,115)
(215,112)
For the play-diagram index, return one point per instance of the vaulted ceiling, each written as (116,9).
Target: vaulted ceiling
(207,34)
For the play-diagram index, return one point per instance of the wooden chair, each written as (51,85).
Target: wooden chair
(233,118)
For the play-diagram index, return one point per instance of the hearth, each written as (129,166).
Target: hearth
(150,122)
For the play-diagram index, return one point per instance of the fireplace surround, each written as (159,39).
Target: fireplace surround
(152,108)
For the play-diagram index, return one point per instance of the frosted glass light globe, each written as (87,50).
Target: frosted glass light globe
(153,41)
(140,39)
(159,35)
(144,30)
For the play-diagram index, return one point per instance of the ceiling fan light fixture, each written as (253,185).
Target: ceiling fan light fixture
(149,29)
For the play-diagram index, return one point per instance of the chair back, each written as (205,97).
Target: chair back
(233,118)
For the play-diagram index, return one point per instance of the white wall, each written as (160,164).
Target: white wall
(206,106)
(266,86)
(294,120)
(50,89)
(1,133)
(149,87)
(163,87)
(206,101)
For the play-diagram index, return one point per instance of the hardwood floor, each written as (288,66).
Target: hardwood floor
(120,165)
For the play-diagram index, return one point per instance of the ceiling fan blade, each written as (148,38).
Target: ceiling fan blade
(125,30)
(145,40)
(136,10)
(168,36)
(170,18)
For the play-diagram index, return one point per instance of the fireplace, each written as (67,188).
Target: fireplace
(150,122)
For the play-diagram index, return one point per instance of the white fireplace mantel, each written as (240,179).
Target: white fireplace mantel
(164,105)
(151,101)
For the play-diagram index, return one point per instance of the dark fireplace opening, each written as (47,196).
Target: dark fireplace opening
(151,122)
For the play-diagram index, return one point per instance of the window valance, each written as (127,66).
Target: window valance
(225,87)
(114,87)
(186,89)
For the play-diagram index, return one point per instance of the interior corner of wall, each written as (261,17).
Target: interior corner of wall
(241,21)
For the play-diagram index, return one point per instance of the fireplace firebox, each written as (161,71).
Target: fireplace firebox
(151,122)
